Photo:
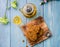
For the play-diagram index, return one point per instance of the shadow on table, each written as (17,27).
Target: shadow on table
(52,0)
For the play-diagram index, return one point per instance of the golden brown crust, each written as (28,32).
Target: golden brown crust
(36,31)
(31,36)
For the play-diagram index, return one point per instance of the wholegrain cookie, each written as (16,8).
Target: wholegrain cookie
(31,35)
(33,28)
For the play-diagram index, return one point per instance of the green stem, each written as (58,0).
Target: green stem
(6,9)
(15,0)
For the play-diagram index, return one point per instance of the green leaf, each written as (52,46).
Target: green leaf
(14,4)
(4,20)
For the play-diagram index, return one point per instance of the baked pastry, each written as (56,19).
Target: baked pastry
(36,31)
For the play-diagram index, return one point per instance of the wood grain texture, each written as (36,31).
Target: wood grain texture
(12,36)
(51,15)
(4,29)
(16,34)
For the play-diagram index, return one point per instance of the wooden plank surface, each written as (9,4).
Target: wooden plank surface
(11,34)
(52,18)
(16,34)
(4,29)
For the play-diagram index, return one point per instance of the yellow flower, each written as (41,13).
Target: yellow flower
(17,20)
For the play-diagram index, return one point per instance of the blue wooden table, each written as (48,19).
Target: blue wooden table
(12,36)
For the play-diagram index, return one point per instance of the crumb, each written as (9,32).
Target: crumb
(23,41)
(26,46)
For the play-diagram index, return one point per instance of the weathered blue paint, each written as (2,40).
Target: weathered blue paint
(51,15)
(4,29)
(11,35)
